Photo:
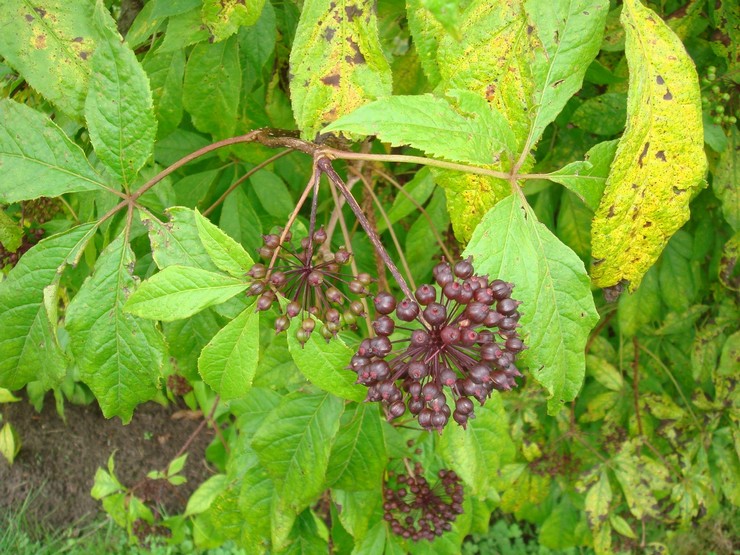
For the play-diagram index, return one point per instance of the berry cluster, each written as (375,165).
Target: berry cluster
(466,341)
(10,259)
(716,99)
(310,278)
(40,210)
(417,511)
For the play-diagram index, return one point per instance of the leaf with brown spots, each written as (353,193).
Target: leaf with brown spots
(51,48)
(660,161)
(224,17)
(726,182)
(336,63)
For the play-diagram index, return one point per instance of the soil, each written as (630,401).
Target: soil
(57,461)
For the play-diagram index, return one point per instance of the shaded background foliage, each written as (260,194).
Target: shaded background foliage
(122,282)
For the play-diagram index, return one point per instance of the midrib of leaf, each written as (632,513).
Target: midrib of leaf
(231,352)
(50,31)
(354,443)
(119,104)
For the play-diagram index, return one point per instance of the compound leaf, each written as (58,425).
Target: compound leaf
(118,108)
(660,161)
(179,291)
(557,309)
(119,356)
(336,61)
(52,46)
(28,343)
(294,443)
(229,361)
(37,158)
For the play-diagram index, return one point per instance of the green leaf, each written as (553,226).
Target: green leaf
(574,224)
(604,372)
(660,161)
(240,221)
(598,499)
(226,253)
(179,291)
(416,192)
(336,61)
(726,177)
(105,484)
(118,108)
(641,307)
(177,242)
(213,81)
(255,504)
(421,120)
(28,345)
(326,365)
(186,339)
(602,115)
(587,179)
(51,45)
(11,234)
(426,31)
(558,310)
(228,363)
(184,29)
(10,442)
(119,356)
(358,458)
(202,497)
(621,526)
(224,17)
(294,443)
(165,71)
(570,33)
(476,453)
(37,158)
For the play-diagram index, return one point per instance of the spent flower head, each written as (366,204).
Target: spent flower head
(461,340)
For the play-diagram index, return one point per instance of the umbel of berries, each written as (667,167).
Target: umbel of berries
(416,510)
(459,339)
(311,280)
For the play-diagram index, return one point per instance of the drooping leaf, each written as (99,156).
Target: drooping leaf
(587,179)
(224,17)
(118,108)
(177,241)
(726,180)
(325,364)
(660,161)
(228,363)
(570,35)
(37,158)
(179,291)
(28,345)
(226,253)
(336,62)
(212,87)
(433,125)
(294,443)
(557,308)
(477,452)
(358,458)
(119,356)
(51,44)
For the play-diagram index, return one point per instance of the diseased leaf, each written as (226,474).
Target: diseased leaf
(118,108)
(478,452)
(726,180)
(472,133)
(598,499)
(28,344)
(570,35)
(224,17)
(228,363)
(336,62)
(557,308)
(587,179)
(226,253)
(179,291)
(51,45)
(660,161)
(294,443)
(120,356)
(177,241)
(325,364)
(212,87)
(11,235)
(37,158)
(358,458)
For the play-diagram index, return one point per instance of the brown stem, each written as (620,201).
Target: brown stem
(324,164)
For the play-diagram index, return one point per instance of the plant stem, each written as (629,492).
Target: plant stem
(324,164)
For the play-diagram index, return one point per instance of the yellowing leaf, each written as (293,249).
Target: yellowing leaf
(336,62)
(660,161)
(224,17)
